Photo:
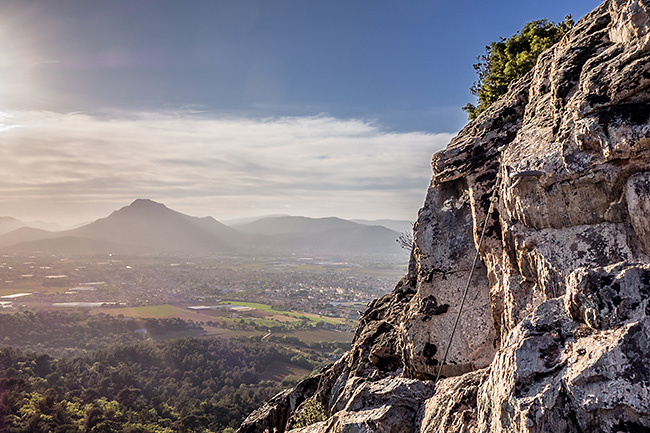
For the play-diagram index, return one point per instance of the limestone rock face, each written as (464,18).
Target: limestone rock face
(638,207)
(577,363)
(555,332)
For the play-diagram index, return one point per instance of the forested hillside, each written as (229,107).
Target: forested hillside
(62,333)
(104,377)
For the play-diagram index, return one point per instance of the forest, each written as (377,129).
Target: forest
(107,378)
(63,333)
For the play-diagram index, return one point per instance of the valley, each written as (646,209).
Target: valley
(265,303)
(278,274)
(322,289)
(259,324)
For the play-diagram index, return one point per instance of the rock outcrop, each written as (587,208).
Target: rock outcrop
(555,333)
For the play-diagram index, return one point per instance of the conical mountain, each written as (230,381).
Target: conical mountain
(146,226)
(153,225)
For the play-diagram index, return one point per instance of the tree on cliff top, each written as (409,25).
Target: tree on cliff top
(508,59)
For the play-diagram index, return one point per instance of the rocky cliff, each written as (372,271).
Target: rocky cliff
(555,332)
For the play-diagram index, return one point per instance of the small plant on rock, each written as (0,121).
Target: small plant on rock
(311,412)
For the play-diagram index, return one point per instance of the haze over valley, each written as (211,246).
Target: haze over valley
(145,259)
(146,226)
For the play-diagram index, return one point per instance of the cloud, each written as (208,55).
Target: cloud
(204,164)
(44,62)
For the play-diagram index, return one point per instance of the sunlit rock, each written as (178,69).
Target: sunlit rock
(555,333)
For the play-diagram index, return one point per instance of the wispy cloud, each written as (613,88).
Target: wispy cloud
(44,62)
(221,166)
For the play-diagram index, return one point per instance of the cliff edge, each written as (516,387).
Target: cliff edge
(555,332)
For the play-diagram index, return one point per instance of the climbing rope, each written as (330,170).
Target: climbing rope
(494,198)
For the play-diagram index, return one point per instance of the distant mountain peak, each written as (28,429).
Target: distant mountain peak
(143,207)
(145,202)
(8,218)
(149,224)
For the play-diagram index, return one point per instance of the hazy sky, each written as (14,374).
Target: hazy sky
(237,108)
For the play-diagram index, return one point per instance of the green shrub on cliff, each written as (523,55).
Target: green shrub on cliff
(311,412)
(508,59)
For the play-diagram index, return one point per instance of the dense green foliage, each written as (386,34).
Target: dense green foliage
(265,325)
(508,59)
(62,333)
(311,412)
(66,371)
(182,385)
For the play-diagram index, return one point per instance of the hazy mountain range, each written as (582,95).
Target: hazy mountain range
(146,226)
(8,224)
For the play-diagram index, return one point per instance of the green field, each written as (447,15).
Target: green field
(307,316)
(269,317)
(281,370)
(157,311)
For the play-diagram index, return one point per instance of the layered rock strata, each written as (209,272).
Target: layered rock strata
(555,333)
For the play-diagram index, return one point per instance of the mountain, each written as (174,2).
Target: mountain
(143,226)
(25,234)
(8,224)
(147,223)
(400,226)
(146,226)
(44,225)
(294,225)
(239,221)
(321,235)
(550,188)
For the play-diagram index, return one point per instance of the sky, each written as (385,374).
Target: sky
(237,108)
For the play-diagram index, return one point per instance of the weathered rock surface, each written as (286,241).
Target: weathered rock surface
(555,333)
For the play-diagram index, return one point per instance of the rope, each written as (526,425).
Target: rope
(493,199)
